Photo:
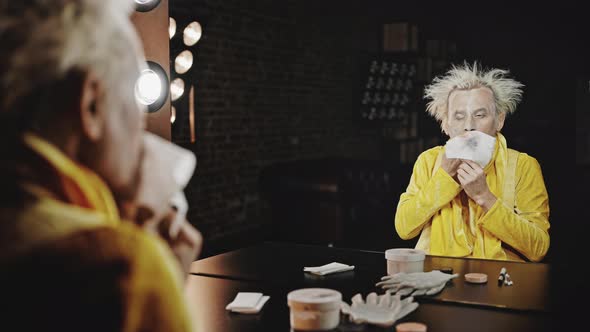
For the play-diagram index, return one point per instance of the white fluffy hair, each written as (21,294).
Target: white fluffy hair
(507,92)
(43,40)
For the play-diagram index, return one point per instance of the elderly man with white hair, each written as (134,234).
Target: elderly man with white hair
(74,254)
(498,209)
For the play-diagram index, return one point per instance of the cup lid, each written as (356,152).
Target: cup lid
(315,298)
(405,255)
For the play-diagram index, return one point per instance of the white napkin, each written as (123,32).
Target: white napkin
(167,169)
(328,268)
(247,303)
(473,145)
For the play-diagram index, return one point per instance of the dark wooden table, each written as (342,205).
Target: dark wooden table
(208,297)
(281,265)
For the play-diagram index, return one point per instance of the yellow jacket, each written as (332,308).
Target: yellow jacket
(451,224)
(77,222)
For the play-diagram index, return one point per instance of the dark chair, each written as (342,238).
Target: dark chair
(340,202)
(370,193)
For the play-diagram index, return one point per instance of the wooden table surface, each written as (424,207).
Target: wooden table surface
(208,297)
(281,265)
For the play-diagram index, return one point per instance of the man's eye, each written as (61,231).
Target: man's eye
(459,117)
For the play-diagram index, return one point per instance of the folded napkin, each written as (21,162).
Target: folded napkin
(328,268)
(247,303)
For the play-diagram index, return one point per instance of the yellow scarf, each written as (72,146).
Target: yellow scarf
(82,186)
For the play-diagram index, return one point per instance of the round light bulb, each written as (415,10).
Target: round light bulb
(148,88)
(171,27)
(176,88)
(183,62)
(192,33)
(146,5)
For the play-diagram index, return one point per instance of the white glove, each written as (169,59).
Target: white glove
(417,283)
(383,310)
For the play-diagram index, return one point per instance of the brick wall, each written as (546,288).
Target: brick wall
(274,82)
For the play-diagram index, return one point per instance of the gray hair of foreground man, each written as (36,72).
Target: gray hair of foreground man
(44,41)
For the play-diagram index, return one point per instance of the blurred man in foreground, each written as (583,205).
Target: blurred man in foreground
(73,251)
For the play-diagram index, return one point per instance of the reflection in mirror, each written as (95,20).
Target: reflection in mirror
(243,55)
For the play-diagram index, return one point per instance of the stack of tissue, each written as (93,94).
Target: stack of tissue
(328,268)
(247,303)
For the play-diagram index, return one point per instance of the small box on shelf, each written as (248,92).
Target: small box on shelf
(400,37)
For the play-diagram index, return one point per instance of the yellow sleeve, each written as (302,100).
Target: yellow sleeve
(525,229)
(424,196)
(115,278)
(155,296)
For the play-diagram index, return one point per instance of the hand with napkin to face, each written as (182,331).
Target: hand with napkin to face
(472,125)
(167,168)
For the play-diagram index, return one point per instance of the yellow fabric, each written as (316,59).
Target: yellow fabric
(82,186)
(152,289)
(510,178)
(101,279)
(451,224)
(89,204)
(154,293)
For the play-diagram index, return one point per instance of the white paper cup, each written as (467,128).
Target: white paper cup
(314,309)
(404,260)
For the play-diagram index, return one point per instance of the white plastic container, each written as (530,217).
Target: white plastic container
(314,309)
(404,260)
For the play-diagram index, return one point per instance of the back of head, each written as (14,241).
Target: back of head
(48,48)
(46,42)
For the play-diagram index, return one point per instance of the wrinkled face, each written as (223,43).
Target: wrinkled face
(118,156)
(472,109)
(123,142)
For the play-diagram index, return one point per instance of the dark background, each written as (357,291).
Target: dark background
(278,81)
